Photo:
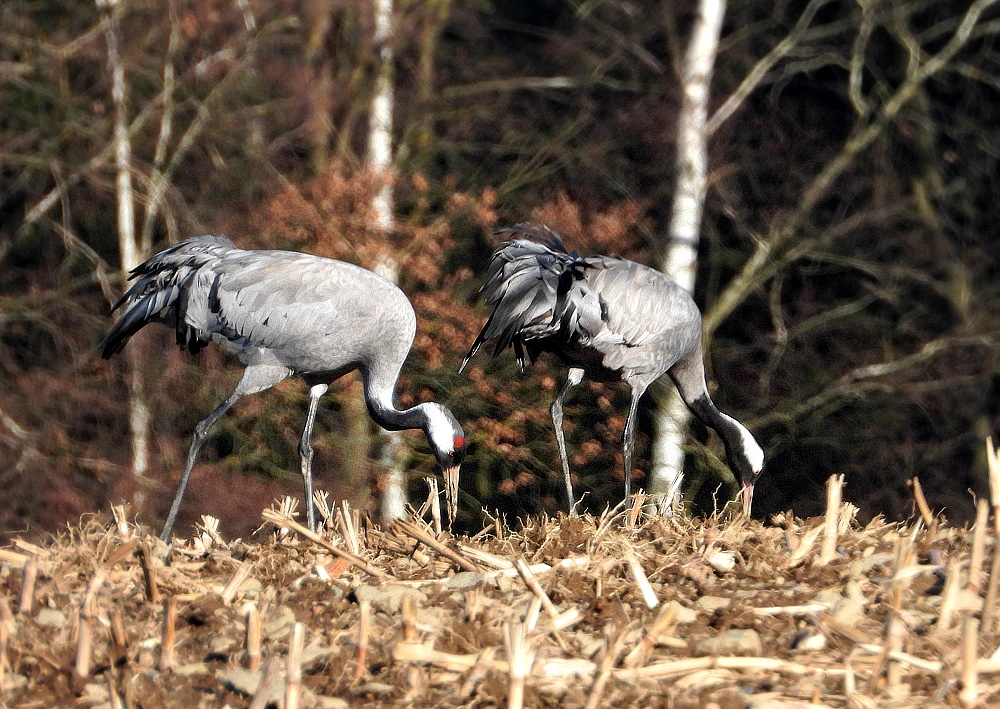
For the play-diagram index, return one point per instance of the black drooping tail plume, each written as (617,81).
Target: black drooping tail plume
(161,294)
(538,291)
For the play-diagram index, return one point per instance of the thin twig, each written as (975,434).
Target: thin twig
(612,648)
(993,462)
(969,696)
(13,558)
(348,527)
(664,620)
(148,573)
(639,576)
(922,506)
(975,580)
(229,592)
(364,631)
(28,585)
(293,672)
(4,663)
(262,697)
(834,495)
(169,634)
(435,503)
(532,583)
(253,636)
(84,646)
(992,590)
(520,658)
(949,597)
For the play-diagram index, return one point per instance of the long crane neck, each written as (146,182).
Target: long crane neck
(379,395)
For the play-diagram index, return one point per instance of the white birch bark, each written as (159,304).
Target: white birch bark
(680,259)
(129,251)
(393,503)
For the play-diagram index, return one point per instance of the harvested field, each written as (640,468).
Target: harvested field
(618,610)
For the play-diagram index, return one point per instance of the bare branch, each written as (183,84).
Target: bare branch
(858,58)
(871,378)
(863,135)
(799,33)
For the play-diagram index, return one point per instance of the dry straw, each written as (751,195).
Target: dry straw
(620,609)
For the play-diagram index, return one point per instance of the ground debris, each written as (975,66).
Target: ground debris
(586,611)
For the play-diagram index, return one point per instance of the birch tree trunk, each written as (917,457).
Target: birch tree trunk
(129,250)
(393,504)
(680,259)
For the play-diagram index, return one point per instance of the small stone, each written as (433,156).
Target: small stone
(388,597)
(251,588)
(712,603)
(685,614)
(50,618)
(464,579)
(722,561)
(312,654)
(373,688)
(192,668)
(13,681)
(776,703)
(828,596)
(247,682)
(221,644)
(94,693)
(809,641)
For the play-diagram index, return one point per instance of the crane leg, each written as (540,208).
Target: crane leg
(306,451)
(197,439)
(573,377)
(255,378)
(628,439)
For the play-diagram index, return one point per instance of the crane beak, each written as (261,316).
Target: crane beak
(451,491)
(746,496)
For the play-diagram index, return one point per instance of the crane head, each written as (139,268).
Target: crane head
(746,457)
(447,441)
(747,463)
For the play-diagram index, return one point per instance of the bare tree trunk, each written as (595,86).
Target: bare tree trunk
(129,251)
(681,258)
(393,504)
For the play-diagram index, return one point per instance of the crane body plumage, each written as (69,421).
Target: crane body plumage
(283,314)
(607,319)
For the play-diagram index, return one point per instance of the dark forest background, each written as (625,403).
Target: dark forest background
(847,265)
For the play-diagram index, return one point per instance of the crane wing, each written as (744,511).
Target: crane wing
(643,307)
(289,300)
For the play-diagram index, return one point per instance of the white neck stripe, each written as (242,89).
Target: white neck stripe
(751,449)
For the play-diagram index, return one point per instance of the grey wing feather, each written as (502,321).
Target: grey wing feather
(644,307)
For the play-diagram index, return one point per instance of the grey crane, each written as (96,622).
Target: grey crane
(606,318)
(284,313)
